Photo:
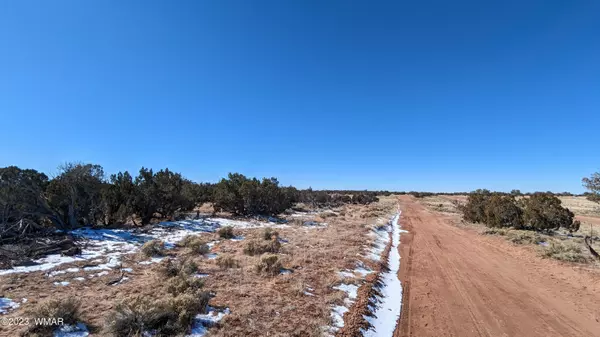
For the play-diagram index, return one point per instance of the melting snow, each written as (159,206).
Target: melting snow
(78,330)
(6,304)
(202,322)
(389,304)
(112,243)
(62,283)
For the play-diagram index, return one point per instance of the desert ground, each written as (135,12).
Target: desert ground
(458,282)
(402,266)
(328,263)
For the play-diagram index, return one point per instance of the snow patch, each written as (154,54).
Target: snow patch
(78,330)
(203,322)
(62,283)
(6,305)
(387,307)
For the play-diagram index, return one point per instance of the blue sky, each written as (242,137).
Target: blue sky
(398,95)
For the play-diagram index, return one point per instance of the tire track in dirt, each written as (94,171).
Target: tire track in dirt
(458,283)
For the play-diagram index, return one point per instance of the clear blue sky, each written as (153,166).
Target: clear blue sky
(398,95)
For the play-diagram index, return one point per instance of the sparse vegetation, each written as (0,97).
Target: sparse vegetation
(269,264)
(67,309)
(171,268)
(227,262)
(166,317)
(184,284)
(153,248)
(564,250)
(256,247)
(195,244)
(270,234)
(226,232)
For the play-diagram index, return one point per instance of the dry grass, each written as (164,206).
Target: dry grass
(259,305)
(195,244)
(171,268)
(182,283)
(257,247)
(165,317)
(440,203)
(153,248)
(67,309)
(581,206)
(269,265)
(226,232)
(517,236)
(270,234)
(565,250)
(227,261)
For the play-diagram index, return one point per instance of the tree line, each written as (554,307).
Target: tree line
(82,195)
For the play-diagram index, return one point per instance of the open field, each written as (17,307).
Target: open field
(349,270)
(325,259)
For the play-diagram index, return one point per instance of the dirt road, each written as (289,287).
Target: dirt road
(459,283)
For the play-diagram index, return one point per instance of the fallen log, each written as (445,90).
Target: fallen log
(588,243)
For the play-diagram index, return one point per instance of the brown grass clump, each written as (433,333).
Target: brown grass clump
(256,247)
(67,309)
(195,244)
(566,250)
(184,284)
(171,268)
(226,232)
(227,261)
(523,237)
(269,233)
(269,265)
(153,248)
(166,317)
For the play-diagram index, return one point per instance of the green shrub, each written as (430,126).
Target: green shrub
(153,248)
(269,264)
(543,211)
(256,247)
(226,232)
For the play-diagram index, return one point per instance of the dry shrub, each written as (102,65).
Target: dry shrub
(269,265)
(495,231)
(195,244)
(256,247)
(67,309)
(153,248)
(326,215)
(227,261)
(165,317)
(226,232)
(184,284)
(566,250)
(171,268)
(521,237)
(269,233)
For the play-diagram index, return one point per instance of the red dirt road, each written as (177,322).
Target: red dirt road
(459,283)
